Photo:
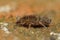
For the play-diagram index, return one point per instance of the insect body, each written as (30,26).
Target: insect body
(33,21)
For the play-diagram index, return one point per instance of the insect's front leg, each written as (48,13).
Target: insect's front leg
(29,26)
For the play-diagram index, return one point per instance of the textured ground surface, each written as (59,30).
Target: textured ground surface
(28,7)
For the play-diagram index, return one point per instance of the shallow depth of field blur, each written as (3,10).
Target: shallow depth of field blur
(51,8)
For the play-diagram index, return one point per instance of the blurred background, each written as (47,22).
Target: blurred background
(49,8)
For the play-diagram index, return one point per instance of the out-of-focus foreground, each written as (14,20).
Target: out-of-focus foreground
(11,9)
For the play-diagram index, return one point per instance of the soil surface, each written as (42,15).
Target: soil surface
(49,8)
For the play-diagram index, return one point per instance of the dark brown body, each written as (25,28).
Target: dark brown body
(33,21)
